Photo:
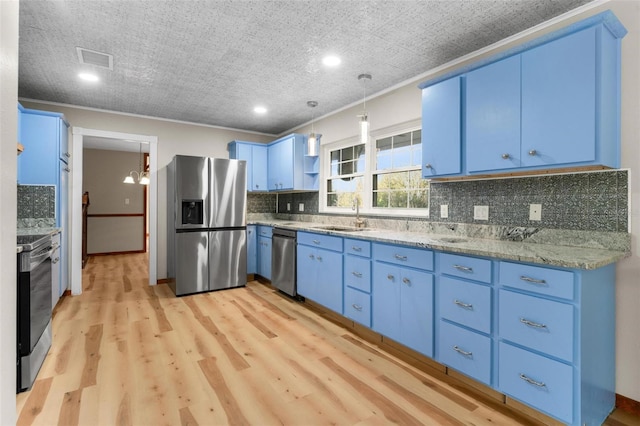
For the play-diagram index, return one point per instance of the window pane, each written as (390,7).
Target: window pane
(347,154)
(332,200)
(398,199)
(383,144)
(335,156)
(380,199)
(416,137)
(359,151)
(402,156)
(418,199)
(401,140)
(346,168)
(383,161)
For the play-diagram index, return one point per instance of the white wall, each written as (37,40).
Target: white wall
(8,138)
(403,105)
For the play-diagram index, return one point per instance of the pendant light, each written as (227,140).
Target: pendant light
(364,119)
(312,141)
(143,177)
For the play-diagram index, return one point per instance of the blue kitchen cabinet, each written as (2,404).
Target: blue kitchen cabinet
(252,250)
(402,307)
(492,116)
(286,165)
(320,269)
(264,251)
(442,129)
(255,155)
(357,281)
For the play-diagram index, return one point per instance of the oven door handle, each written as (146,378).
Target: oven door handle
(40,257)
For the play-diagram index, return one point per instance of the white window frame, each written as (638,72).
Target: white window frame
(370,157)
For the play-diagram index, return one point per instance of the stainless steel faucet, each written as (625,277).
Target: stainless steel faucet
(356,206)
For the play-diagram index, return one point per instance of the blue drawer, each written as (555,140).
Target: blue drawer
(538,381)
(465,303)
(321,241)
(265,231)
(465,267)
(540,324)
(357,273)
(465,351)
(357,247)
(404,256)
(537,279)
(357,306)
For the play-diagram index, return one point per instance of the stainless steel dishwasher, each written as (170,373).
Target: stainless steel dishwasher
(283,261)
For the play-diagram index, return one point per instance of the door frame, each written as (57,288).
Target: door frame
(76,200)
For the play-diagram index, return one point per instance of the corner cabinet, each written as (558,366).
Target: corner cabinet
(552,102)
(45,161)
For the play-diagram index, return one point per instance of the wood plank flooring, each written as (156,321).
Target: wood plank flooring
(128,354)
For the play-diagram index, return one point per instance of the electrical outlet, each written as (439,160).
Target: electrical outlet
(481,212)
(301,207)
(535,211)
(126,201)
(444,211)
(288,207)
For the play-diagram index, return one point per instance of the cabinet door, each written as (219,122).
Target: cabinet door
(63,142)
(280,159)
(416,310)
(259,168)
(264,257)
(244,152)
(441,129)
(493,116)
(306,273)
(252,250)
(558,101)
(329,279)
(386,300)
(39,161)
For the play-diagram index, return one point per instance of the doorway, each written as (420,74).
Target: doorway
(126,142)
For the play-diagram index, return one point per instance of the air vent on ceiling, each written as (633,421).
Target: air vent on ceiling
(91,57)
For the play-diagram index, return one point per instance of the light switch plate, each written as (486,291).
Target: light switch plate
(444,211)
(301,207)
(288,207)
(535,211)
(126,201)
(481,212)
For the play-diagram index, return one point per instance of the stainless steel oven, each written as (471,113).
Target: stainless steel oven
(34,306)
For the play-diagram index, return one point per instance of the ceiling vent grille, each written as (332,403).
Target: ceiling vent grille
(91,57)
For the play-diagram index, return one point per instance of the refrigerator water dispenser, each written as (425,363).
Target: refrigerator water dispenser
(192,212)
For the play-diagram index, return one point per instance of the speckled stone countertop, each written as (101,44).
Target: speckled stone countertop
(543,249)
(38,231)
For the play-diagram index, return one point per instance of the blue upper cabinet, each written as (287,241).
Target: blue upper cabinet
(255,155)
(441,129)
(551,102)
(42,134)
(559,82)
(493,116)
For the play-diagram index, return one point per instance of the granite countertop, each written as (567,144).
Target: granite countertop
(548,253)
(38,230)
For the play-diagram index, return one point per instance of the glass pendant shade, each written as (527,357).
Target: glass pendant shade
(364,129)
(312,145)
(129,179)
(144,178)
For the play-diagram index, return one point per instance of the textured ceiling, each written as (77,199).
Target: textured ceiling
(212,61)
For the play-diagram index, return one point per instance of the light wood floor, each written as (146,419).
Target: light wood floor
(126,353)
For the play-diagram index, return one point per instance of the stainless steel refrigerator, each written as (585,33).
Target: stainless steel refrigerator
(206,224)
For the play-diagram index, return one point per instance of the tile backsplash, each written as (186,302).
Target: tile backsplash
(36,202)
(590,201)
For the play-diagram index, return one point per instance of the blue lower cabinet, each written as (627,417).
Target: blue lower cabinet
(264,257)
(466,351)
(252,250)
(357,306)
(538,381)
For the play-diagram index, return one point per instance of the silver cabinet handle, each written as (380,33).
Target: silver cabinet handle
(66,169)
(463,268)
(463,305)
(257,186)
(357,307)
(532,324)
(66,154)
(533,152)
(505,156)
(316,241)
(400,257)
(311,256)
(428,166)
(532,280)
(531,381)
(406,280)
(56,260)
(391,277)
(460,351)
(319,258)
(356,274)
(356,248)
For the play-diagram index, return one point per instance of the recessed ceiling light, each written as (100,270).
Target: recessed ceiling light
(88,77)
(331,61)
(260,110)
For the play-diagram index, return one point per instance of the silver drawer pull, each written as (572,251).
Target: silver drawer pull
(533,382)
(463,305)
(66,169)
(319,258)
(56,260)
(505,156)
(406,281)
(356,248)
(357,307)
(356,274)
(531,323)
(532,280)
(400,257)
(316,241)
(463,268)
(460,351)
(311,256)
(391,277)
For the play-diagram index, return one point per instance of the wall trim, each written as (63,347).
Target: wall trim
(627,404)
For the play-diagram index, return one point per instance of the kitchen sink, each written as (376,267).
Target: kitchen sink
(340,228)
